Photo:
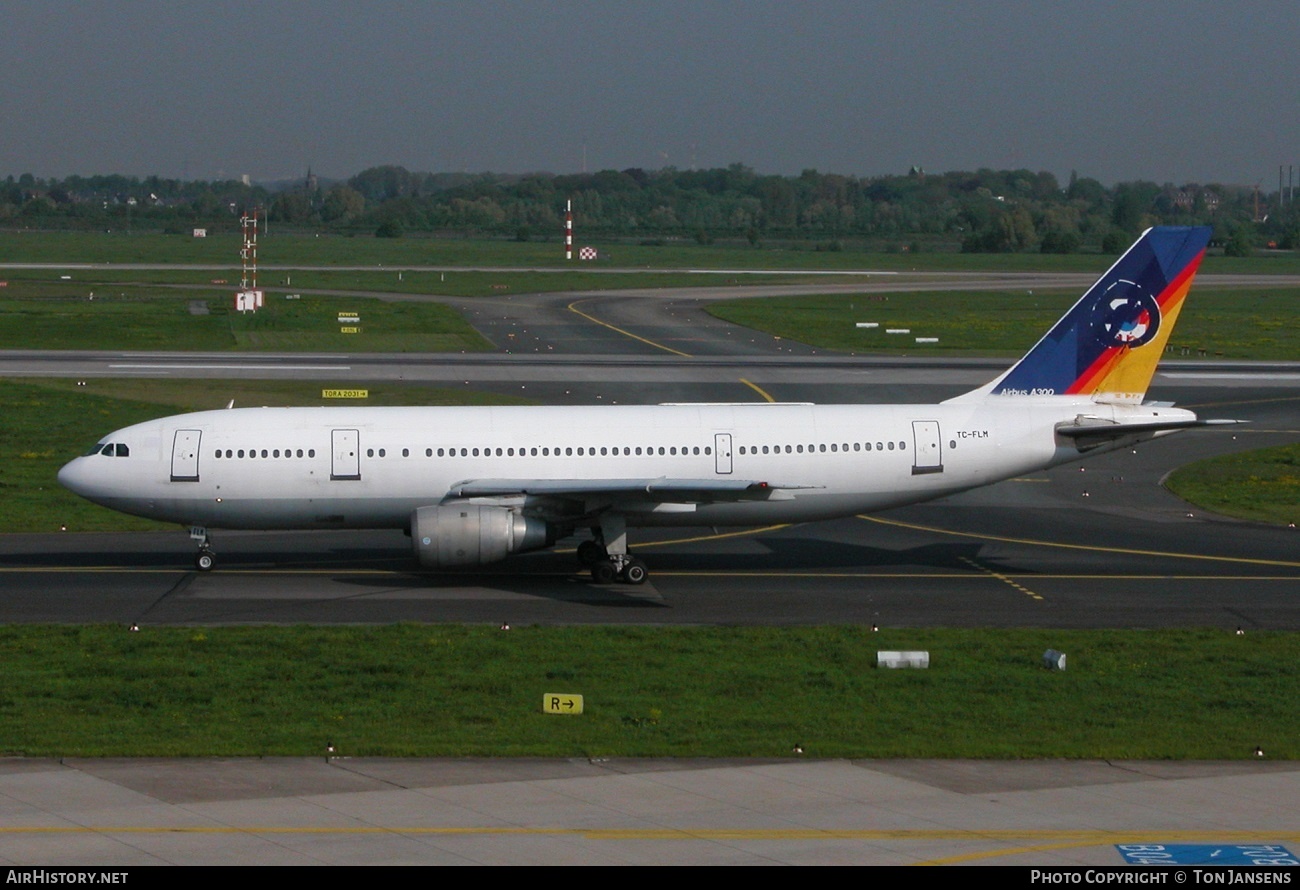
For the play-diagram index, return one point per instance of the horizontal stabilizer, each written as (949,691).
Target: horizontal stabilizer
(1091,431)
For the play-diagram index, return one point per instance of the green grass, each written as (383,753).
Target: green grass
(497,284)
(986,322)
(411,690)
(54,315)
(281,248)
(187,284)
(1255,323)
(1262,485)
(39,308)
(49,422)
(40,312)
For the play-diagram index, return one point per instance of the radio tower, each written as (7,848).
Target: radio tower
(249,298)
(248,253)
(568,230)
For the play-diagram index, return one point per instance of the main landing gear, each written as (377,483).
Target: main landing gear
(205,559)
(607,555)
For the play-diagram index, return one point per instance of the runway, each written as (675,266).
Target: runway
(1100,544)
(1101,547)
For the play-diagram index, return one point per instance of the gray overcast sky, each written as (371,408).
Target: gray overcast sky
(1186,91)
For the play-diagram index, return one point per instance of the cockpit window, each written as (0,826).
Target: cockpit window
(95,449)
(107,450)
(122,450)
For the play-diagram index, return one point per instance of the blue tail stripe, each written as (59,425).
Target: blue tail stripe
(1132,285)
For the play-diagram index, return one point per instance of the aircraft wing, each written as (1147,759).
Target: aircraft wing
(661,488)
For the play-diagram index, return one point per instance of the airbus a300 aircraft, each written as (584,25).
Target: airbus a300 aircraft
(473,485)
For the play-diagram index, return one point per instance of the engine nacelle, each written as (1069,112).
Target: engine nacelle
(473,535)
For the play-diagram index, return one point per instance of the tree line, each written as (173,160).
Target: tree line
(980,211)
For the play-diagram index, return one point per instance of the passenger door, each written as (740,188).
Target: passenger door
(722,453)
(927,451)
(346,455)
(185,455)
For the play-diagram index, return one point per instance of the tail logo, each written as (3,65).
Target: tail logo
(1126,316)
(1094,350)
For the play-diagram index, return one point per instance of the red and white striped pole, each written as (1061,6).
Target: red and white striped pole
(568,230)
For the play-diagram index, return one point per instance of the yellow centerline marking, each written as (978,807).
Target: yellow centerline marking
(1088,547)
(1001,577)
(573,307)
(718,536)
(694,539)
(776,573)
(661,573)
(756,388)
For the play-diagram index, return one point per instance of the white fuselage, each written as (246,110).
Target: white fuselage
(279,468)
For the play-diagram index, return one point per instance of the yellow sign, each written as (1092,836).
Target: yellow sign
(349,330)
(345,393)
(561,703)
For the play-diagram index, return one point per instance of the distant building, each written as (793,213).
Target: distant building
(1185,198)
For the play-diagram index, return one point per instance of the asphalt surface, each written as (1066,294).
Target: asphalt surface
(1104,546)
(1097,544)
(1100,544)
(123,814)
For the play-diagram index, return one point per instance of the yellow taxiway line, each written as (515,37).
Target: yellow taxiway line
(573,307)
(1127,551)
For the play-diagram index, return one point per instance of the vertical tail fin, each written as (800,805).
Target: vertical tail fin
(1108,344)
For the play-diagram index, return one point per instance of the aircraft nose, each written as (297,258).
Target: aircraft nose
(75,476)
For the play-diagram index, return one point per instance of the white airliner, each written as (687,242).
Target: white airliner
(473,485)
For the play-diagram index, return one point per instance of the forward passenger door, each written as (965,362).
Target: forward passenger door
(185,455)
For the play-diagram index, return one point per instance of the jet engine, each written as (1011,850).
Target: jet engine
(474,535)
